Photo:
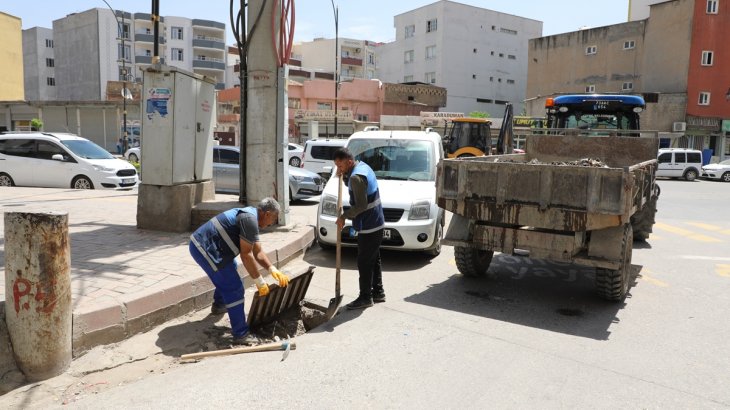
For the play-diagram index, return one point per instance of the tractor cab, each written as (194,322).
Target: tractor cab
(467,137)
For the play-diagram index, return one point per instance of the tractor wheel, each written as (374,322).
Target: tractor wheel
(472,262)
(613,284)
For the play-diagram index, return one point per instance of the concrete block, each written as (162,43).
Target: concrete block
(168,208)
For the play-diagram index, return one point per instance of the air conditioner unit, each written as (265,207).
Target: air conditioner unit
(679,127)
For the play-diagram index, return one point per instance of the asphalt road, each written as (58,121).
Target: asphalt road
(531,335)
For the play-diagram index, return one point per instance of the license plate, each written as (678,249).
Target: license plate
(386,233)
(128,180)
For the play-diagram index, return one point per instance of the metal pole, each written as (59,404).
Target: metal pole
(120,31)
(335,9)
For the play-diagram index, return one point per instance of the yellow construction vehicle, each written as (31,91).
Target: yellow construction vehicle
(467,137)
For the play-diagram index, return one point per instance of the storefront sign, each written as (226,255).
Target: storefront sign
(322,115)
(438,119)
(703,123)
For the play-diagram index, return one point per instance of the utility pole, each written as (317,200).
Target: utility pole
(335,9)
(125,93)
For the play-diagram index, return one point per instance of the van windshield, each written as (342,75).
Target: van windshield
(87,149)
(396,159)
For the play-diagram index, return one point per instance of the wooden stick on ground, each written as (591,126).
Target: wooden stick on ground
(268,347)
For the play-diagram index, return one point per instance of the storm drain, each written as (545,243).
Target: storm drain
(265,310)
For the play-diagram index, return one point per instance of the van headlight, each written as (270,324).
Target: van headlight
(101,168)
(329,205)
(420,210)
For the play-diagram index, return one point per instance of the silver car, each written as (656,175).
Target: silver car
(226,175)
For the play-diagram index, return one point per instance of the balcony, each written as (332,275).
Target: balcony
(351,61)
(146,60)
(147,38)
(210,64)
(208,24)
(209,42)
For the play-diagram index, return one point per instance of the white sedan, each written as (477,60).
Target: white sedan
(133,154)
(719,171)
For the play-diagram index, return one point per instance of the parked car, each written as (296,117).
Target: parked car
(133,154)
(679,163)
(226,175)
(295,154)
(317,156)
(719,171)
(59,160)
(404,163)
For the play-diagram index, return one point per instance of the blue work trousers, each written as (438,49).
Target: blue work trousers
(228,290)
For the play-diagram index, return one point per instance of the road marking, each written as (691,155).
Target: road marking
(708,227)
(653,281)
(704,258)
(723,270)
(686,233)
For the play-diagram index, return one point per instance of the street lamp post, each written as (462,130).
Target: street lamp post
(120,28)
(335,9)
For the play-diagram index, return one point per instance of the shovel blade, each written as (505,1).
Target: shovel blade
(333,307)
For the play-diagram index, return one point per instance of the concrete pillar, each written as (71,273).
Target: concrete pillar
(38,292)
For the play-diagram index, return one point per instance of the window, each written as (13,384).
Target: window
(123,74)
(46,150)
(408,56)
(17,147)
(295,103)
(148,53)
(431,25)
(507,31)
(707,57)
(694,157)
(474,76)
(501,55)
(50,81)
(430,52)
(431,78)
(371,58)
(475,51)
(704,99)
(177,54)
(629,44)
(410,30)
(491,53)
(49,43)
(227,156)
(664,158)
(408,79)
(484,100)
(511,57)
(680,157)
(711,6)
(50,62)
(125,31)
(362,117)
(591,88)
(324,105)
(124,52)
(491,79)
(510,81)
(591,50)
(177,33)
(627,86)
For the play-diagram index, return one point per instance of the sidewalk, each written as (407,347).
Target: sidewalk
(125,280)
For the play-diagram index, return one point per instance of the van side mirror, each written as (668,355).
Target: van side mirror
(327,169)
(57,157)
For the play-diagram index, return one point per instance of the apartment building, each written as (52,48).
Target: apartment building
(98,46)
(39,63)
(11,49)
(478,55)
(355,58)
(676,57)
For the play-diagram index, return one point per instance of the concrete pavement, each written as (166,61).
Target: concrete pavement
(126,280)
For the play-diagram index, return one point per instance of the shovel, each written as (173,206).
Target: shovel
(335,301)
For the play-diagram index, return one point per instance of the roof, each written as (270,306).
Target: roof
(581,98)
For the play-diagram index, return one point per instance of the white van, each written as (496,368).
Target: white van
(317,156)
(679,163)
(405,164)
(58,160)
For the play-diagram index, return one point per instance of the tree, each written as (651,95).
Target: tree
(36,124)
(479,114)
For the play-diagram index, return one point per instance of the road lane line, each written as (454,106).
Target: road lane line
(705,258)
(712,228)
(653,281)
(686,233)
(723,270)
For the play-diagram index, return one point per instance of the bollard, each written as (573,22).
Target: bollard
(38,292)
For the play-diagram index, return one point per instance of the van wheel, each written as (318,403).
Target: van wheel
(6,180)
(690,175)
(726,177)
(295,162)
(436,249)
(82,182)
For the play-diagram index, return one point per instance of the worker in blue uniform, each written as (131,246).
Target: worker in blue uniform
(368,220)
(215,245)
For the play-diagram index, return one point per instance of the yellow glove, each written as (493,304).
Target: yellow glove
(278,276)
(262,286)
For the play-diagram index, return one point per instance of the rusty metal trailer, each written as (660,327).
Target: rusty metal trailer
(535,204)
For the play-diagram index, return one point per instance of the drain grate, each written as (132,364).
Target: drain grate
(279,300)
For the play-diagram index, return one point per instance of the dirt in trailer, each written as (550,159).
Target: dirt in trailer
(584,162)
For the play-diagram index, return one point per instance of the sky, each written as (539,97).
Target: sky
(358,19)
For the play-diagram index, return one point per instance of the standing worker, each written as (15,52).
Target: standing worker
(215,245)
(368,220)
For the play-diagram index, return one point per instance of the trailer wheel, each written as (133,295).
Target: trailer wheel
(643,221)
(613,284)
(472,262)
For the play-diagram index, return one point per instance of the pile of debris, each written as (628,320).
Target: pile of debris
(585,162)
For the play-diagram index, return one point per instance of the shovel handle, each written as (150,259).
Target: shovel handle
(338,249)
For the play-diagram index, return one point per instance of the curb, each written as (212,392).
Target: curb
(118,321)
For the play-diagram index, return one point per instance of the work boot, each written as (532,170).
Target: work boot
(360,303)
(218,309)
(379,297)
(247,340)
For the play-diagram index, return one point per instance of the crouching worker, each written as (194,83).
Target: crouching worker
(215,245)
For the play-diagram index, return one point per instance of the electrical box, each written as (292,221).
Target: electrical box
(178,116)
